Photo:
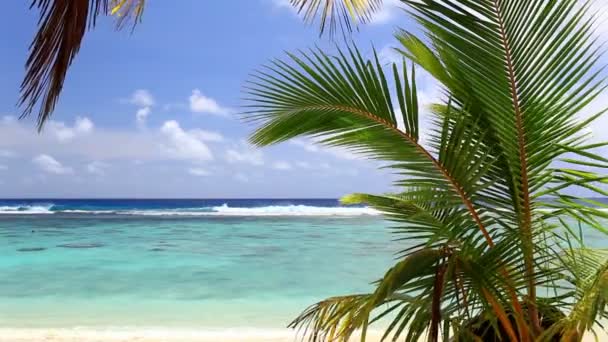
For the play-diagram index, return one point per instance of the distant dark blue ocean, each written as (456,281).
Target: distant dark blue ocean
(277,207)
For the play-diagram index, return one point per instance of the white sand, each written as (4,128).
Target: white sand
(167,335)
(151,335)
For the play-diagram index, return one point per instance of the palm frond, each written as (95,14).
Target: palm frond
(330,319)
(127,11)
(346,101)
(62,27)
(589,276)
(346,14)
(340,317)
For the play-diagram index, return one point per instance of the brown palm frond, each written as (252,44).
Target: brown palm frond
(61,28)
(346,14)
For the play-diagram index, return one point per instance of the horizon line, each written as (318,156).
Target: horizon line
(169,198)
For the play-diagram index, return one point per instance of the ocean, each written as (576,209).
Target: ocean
(182,264)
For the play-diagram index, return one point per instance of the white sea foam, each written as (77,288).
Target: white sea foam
(288,210)
(26,209)
(223,210)
(295,210)
(75,211)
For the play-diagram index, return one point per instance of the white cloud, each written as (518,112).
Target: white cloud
(281,165)
(207,135)
(245,154)
(65,133)
(142,115)
(183,145)
(200,103)
(195,171)
(83,125)
(142,98)
(21,138)
(60,131)
(51,165)
(97,168)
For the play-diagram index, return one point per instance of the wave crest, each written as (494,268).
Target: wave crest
(223,210)
(275,210)
(294,210)
(27,209)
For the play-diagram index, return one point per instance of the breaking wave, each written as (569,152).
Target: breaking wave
(223,210)
(27,209)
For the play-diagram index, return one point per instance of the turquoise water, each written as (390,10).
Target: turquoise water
(107,269)
(181,264)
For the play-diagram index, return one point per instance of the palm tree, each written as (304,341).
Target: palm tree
(493,239)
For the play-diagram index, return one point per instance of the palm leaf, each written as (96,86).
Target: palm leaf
(589,276)
(62,26)
(331,14)
(345,101)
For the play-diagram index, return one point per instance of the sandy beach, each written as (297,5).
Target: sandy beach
(169,335)
(152,335)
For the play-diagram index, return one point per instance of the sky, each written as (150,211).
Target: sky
(154,113)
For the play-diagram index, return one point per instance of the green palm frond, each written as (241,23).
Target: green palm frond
(331,14)
(339,317)
(62,26)
(330,319)
(346,101)
(588,270)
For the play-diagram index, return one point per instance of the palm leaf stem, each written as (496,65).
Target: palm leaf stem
(502,315)
(526,221)
(423,151)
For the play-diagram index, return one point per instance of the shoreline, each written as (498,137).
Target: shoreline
(155,334)
(159,334)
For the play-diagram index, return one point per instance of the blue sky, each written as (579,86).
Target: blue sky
(152,114)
